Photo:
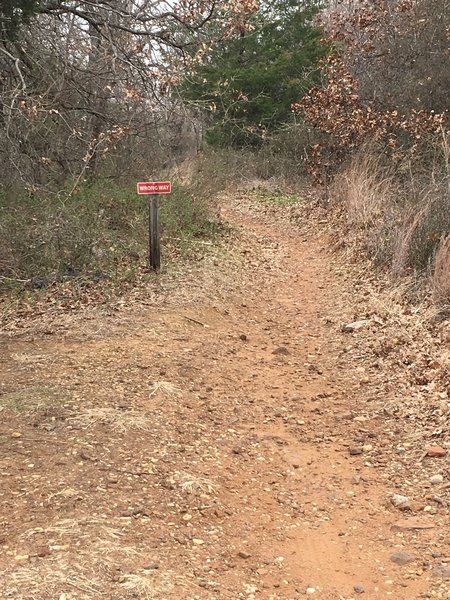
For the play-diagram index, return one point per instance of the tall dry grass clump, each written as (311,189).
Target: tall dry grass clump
(440,279)
(399,215)
(413,218)
(368,193)
(368,190)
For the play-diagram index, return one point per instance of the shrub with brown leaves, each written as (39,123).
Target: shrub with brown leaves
(379,47)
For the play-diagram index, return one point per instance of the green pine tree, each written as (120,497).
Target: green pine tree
(249,82)
(14,13)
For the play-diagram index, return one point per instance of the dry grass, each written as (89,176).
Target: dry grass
(92,551)
(118,420)
(400,259)
(88,548)
(156,585)
(109,551)
(390,305)
(440,279)
(397,218)
(80,528)
(36,400)
(366,189)
(369,195)
(193,484)
(140,585)
(145,586)
(34,360)
(49,580)
(166,388)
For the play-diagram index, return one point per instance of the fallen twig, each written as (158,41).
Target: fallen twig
(195,321)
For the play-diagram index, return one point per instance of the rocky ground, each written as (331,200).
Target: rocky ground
(266,423)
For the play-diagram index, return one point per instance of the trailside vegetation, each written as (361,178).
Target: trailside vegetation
(247,83)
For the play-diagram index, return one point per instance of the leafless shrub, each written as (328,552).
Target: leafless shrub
(395,49)
(85,87)
(380,82)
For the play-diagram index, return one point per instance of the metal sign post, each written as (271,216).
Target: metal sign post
(154,188)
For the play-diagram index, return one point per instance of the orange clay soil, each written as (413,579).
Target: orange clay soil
(220,437)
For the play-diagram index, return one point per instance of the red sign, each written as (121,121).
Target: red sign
(154,187)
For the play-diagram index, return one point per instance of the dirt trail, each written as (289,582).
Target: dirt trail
(200,449)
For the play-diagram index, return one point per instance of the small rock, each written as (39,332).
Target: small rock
(401,558)
(310,590)
(367,447)
(84,455)
(356,479)
(347,417)
(43,551)
(243,337)
(237,450)
(441,571)
(37,283)
(16,434)
(49,426)
(22,557)
(60,547)
(244,554)
(436,479)
(401,502)
(113,478)
(355,326)
(355,450)
(139,511)
(436,451)
(416,506)
(151,567)
(180,538)
(412,524)
(250,588)
(197,541)
(358,589)
(281,350)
